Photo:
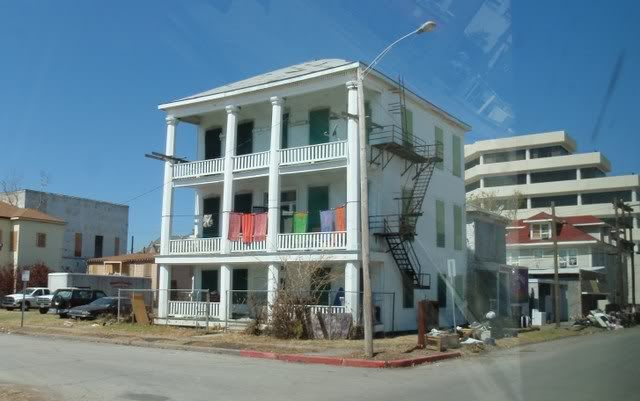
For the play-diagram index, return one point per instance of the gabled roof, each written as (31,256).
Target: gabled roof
(292,71)
(9,211)
(567,230)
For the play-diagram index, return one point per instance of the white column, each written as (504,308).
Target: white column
(164,280)
(528,203)
(225,294)
(352,289)
(579,199)
(167,209)
(273,281)
(197,212)
(227,190)
(274,175)
(527,154)
(481,182)
(481,159)
(578,174)
(353,178)
(528,178)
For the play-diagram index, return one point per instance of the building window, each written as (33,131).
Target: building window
(440,227)
(41,240)
(567,257)
(97,242)
(591,172)
(472,163)
(561,200)
(442,291)
(538,254)
(456,155)
(540,231)
(472,186)
(548,151)
(77,252)
(551,176)
(501,157)
(605,197)
(439,147)
(457,227)
(407,294)
(13,241)
(500,180)
(116,246)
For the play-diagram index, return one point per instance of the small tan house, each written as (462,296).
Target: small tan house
(140,264)
(29,237)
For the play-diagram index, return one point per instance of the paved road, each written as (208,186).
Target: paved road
(599,367)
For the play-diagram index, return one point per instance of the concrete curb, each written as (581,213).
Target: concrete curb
(351,362)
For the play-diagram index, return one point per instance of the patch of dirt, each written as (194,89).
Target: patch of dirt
(18,392)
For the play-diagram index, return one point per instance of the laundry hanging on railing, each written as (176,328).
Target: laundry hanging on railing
(327,220)
(260,227)
(300,220)
(235,224)
(207,221)
(341,221)
(247,227)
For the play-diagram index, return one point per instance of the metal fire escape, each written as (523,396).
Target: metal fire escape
(399,230)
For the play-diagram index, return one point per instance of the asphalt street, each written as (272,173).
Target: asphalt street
(598,367)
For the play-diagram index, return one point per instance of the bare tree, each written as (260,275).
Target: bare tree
(506,206)
(9,187)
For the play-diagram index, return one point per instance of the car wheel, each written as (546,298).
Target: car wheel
(27,305)
(43,311)
(63,315)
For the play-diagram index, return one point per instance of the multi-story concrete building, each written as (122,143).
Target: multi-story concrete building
(29,237)
(93,228)
(286,142)
(544,168)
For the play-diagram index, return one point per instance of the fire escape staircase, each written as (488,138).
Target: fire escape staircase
(399,230)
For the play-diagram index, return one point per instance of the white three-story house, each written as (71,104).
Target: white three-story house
(283,147)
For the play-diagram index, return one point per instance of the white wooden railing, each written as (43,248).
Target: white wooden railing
(314,153)
(327,309)
(193,309)
(194,245)
(312,241)
(198,168)
(251,161)
(253,246)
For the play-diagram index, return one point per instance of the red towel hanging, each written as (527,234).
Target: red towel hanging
(247,228)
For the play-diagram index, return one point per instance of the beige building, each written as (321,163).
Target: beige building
(134,265)
(29,237)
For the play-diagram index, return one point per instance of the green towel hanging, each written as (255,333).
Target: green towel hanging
(300,220)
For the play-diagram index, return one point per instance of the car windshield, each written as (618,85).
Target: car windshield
(64,294)
(30,291)
(106,301)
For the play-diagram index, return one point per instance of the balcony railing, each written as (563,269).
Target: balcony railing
(193,309)
(312,241)
(254,246)
(313,153)
(198,168)
(187,246)
(251,161)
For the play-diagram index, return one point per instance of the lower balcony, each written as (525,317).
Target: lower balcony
(316,241)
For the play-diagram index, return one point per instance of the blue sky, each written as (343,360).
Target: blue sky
(80,81)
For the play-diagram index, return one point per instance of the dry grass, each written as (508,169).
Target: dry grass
(546,333)
(16,392)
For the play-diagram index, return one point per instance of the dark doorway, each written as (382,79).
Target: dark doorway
(244,141)
(98,246)
(210,280)
(212,144)
(242,203)
(212,206)
(240,285)
(318,200)
(318,126)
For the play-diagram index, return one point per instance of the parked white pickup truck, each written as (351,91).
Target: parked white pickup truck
(14,301)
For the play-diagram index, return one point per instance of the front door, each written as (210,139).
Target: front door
(318,200)
(240,285)
(242,203)
(244,141)
(318,126)
(212,144)
(211,206)
(210,283)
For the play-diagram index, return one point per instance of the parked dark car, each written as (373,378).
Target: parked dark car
(101,306)
(67,298)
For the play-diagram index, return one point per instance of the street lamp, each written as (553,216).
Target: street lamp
(367,305)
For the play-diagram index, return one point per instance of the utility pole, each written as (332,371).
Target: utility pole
(556,277)
(626,212)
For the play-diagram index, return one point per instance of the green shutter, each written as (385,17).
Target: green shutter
(440,230)
(440,146)
(457,226)
(407,127)
(456,156)
(318,126)
(318,200)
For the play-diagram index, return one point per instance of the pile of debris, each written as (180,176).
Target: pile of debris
(597,318)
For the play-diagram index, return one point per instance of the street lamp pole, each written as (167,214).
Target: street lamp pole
(367,304)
